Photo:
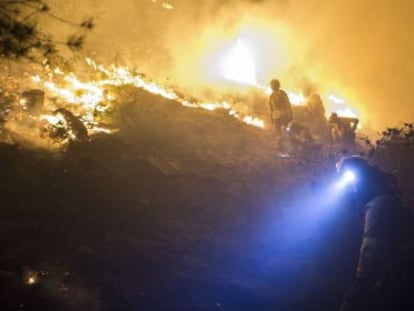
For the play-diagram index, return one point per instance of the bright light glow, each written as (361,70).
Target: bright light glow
(349,177)
(341,107)
(53,119)
(239,64)
(31,280)
(254,121)
(296,99)
(336,100)
(347,113)
(167,6)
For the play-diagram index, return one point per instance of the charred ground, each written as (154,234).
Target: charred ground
(181,209)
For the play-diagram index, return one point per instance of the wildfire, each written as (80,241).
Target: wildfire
(89,101)
(88,98)
(238,65)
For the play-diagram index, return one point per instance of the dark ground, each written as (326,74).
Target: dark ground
(181,210)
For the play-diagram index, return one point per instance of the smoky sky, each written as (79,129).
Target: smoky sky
(367,46)
(364,46)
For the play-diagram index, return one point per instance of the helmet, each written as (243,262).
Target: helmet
(366,180)
(353,163)
(275,84)
(353,172)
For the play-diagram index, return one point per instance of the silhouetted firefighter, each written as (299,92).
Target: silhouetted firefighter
(318,123)
(280,109)
(385,273)
(343,129)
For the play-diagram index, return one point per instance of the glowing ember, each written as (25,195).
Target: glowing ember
(31,280)
(239,65)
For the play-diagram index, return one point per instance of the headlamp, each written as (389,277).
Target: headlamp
(348,177)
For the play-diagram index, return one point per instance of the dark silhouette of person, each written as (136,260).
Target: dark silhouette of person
(280,108)
(385,272)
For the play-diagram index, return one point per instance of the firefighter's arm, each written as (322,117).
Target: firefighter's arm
(355,124)
(380,233)
(367,273)
(380,229)
(371,258)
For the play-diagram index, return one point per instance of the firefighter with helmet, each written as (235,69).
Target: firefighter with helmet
(280,109)
(385,269)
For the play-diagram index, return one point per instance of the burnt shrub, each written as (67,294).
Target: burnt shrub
(394,152)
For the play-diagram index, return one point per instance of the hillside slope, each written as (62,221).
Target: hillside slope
(182,209)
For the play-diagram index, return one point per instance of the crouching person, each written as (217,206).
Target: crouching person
(301,141)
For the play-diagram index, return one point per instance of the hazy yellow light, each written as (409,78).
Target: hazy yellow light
(336,100)
(239,65)
(346,112)
(296,98)
(167,6)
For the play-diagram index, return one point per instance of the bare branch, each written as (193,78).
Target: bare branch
(20,36)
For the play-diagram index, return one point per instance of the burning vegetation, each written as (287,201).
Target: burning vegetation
(74,109)
(154,180)
(64,106)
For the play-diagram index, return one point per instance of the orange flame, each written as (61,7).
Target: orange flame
(86,98)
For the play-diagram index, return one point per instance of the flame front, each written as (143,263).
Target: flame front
(86,99)
(89,100)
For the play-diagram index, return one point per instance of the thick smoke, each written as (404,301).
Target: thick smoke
(366,47)
(358,49)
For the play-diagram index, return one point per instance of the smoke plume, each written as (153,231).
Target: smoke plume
(358,49)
